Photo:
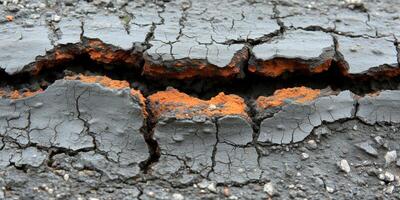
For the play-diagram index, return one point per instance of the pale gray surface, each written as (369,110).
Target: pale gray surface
(383,107)
(76,120)
(361,54)
(296,44)
(295,121)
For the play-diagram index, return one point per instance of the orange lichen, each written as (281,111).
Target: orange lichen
(10,18)
(141,99)
(183,106)
(278,66)
(113,84)
(181,72)
(104,53)
(18,95)
(297,94)
(102,80)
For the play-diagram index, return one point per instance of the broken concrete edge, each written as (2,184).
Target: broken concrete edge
(295,118)
(173,104)
(95,49)
(242,64)
(277,65)
(186,68)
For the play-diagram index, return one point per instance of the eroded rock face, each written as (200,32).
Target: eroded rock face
(380,107)
(188,128)
(88,113)
(282,56)
(363,54)
(70,136)
(294,121)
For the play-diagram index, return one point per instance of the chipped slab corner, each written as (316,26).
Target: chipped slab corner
(159,65)
(303,52)
(187,127)
(290,115)
(71,114)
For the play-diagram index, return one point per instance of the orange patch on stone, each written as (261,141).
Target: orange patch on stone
(101,52)
(10,18)
(297,94)
(182,72)
(113,84)
(182,106)
(196,68)
(102,80)
(18,95)
(278,66)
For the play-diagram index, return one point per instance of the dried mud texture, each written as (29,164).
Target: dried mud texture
(380,107)
(70,116)
(186,127)
(294,51)
(294,121)
(75,125)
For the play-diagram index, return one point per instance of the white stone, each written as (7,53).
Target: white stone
(178,196)
(269,189)
(390,157)
(344,166)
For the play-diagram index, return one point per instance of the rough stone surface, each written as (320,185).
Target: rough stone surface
(81,137)
(362,54)
(381,107)
(295,121)
(70,116)
(313,53)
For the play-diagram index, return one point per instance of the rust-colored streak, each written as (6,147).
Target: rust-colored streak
(10,18)
(191,70)
(297,94)
(113,84)
(103,53)
(278,66)
(102,80)
(19,95)
(186,68)
(182,106)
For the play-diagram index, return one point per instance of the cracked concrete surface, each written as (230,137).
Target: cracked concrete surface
(250,118)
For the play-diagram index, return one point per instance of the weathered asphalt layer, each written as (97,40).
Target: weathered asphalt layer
(103,125)
(175,40)
(95,135)
(78,140)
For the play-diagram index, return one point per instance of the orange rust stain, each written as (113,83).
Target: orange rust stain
(59,55)
(278,66)
(194,70)
(101,52)
(102,80)
(141,99)
(18,95)
(183,106)
(298,94)
(114,84)
(10,18)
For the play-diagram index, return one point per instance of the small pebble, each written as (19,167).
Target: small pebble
(212,187)
(389,189)
(312,144)
(344,166)
(389,177)
(177,196)
(330,189)
(304,156)
(269,189)
(390,157)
